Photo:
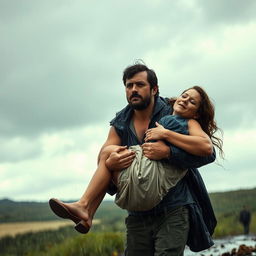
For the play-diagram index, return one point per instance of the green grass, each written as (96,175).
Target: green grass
(229,225)
(98,243)
(64,242)
(67,242)
(108,237)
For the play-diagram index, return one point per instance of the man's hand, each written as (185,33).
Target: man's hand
(156,150)
(120,159)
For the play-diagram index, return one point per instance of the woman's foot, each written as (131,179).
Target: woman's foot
(73,211)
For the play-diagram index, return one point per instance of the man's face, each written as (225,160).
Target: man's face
(138,92)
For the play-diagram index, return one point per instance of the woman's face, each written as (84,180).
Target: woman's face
(187,104)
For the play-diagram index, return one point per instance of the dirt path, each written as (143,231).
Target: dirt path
(13,229)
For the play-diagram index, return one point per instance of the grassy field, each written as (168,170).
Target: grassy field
(12,229)
(15,228)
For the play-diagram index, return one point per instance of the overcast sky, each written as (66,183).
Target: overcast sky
(60,83)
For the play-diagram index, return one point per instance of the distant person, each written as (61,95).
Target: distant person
(245,219)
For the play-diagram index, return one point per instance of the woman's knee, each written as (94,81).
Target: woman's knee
(106,151)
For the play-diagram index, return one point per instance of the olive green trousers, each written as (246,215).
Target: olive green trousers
(162,235)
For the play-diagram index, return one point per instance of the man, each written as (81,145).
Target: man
(245,219)
(164,230)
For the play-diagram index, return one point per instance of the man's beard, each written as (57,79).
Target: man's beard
(143,104)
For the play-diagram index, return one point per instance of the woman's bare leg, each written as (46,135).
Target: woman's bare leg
(84,209)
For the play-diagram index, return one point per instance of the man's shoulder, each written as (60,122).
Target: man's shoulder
(121,116)
(163,101)
(162,106)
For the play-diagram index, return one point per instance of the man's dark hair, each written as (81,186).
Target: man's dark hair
(132,70)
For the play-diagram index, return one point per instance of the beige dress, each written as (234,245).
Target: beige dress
(144,184)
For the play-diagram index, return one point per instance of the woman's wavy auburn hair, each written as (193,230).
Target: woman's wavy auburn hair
(206,114)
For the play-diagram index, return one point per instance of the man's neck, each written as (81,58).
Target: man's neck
(141,120)
(144,114)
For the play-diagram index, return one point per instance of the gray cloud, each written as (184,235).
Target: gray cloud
(227,12)
(62,64)
(18,149)
(61,67)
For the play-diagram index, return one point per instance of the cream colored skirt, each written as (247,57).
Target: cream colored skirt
(144,184)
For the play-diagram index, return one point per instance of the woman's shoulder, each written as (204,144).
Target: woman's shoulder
(174,119)
(174,122)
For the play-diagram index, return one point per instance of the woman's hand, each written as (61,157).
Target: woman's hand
(155,133)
